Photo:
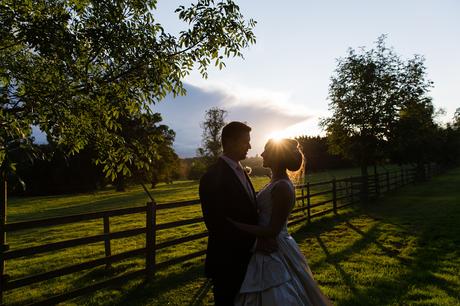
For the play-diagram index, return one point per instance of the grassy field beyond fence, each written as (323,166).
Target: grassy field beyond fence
(325,242)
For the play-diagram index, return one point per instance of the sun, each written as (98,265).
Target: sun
(277,135)
(306,127)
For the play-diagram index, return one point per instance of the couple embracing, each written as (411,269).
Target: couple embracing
(251,258)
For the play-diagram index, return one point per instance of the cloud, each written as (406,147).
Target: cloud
(265,111)
(241,96)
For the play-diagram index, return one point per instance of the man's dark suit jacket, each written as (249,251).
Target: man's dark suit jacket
(223,196)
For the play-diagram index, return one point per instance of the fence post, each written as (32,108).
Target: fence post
(347,189)
(303,199)
(107,248)
(402,177)
(377,185)
(334,195)
(364,188)
(351,190)
(387,174)
(308,203)
(150,238)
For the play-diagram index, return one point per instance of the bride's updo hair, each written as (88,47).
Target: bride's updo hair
(288,153)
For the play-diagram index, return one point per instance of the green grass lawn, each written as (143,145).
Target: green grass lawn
(400,250)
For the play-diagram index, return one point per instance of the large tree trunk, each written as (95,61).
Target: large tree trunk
(3,208)
(120,183)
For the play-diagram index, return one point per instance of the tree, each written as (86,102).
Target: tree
(456,119)
(414,138)
(369,93)
(447,151)
(167,169)
(74,68)
(364,98)
(197,168)
(143,135)
(212,125)
(318,156)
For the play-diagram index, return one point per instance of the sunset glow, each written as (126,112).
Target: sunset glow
(293,131)
(276,136)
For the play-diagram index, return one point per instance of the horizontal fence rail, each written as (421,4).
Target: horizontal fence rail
(312,200)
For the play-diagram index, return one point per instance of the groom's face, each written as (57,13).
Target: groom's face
(242,145)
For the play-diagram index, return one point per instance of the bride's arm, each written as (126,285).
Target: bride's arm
(281,197)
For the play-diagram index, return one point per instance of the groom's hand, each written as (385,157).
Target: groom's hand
(266,245)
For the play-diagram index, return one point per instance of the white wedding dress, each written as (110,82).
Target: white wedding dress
(282,278)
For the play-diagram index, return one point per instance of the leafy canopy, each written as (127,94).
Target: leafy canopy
(368,93)
(76,68)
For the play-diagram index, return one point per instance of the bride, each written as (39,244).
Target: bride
(282,277)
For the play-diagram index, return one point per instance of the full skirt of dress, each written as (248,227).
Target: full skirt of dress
(280,278)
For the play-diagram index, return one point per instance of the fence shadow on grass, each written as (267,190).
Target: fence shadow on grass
(372,236)
(419,272)
(418,268)
(435,250)
(148,291)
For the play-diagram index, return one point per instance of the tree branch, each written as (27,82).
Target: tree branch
(9,46)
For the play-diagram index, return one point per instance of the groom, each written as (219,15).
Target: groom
(227,192)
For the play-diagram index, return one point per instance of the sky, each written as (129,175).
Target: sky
(281,86)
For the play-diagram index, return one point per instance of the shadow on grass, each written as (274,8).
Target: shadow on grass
(140,294)
(419,273)
(331,259)
(372,237)
(416,212)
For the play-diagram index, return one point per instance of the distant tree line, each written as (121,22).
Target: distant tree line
(59,173)
(318,156)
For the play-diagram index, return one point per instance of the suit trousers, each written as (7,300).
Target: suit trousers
(225,289)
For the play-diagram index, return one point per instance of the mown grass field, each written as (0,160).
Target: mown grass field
(400,250)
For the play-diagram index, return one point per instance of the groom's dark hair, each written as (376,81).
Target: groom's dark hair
(233,131)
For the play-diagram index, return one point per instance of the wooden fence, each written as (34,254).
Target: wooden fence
(313,200)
